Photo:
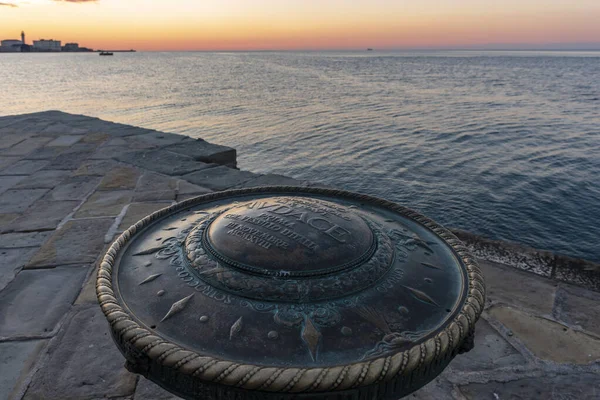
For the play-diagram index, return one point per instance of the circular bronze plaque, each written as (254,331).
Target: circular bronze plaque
(287,292)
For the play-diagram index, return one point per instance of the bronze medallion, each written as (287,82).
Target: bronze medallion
(285,292)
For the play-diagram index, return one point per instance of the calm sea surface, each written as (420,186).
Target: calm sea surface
(503,144)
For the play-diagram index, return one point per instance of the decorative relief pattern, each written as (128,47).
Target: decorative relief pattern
(311,337)
(368,372)
(236,327)
(298,290)
(420,295)
(391,340)
(150,278)
(177,307)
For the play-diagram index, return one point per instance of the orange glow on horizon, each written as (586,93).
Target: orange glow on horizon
(271,25)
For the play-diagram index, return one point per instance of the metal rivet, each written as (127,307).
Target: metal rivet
(203,318)
(403,310)
(160,293)
(346,331)
(273,335)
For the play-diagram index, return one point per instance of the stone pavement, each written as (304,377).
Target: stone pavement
(69,184)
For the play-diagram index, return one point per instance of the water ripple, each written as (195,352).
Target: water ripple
(502,144)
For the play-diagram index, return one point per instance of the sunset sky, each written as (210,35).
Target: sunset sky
(302,24)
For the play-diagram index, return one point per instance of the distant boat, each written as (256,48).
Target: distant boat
(369,49)
(106,53)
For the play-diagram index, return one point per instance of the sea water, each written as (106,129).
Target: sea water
(502,144)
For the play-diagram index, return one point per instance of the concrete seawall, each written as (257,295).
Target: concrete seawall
(69,184)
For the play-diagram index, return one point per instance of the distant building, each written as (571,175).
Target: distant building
(71,47)
(10,46)
(46,45)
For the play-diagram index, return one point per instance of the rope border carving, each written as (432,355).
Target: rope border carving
(292,380)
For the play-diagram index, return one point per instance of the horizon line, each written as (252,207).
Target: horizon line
(369,49)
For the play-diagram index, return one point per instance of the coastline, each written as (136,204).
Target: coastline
(207,156)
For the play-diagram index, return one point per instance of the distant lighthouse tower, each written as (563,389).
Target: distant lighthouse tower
(22,37)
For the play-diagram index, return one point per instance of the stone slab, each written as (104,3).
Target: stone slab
(104,203)
(116,142)
(164,162)
(69,160)
(6,219)
(35,301)
(6,161)
(45,153)
(548,340)
(42,215)
(11,261)
(59,128)
(18,200)
(24,167)
(8,182)
(513,287)
(26,146)
(162,195)
(148,390)
(96,138)
(27,126)
(578,307)
(45,179)
(10,140)
(108,152)
(491,351)
(95,167)
(119,130)
(184,187)
(577,272)
(219,178)
(77,242)
(156,138)
(64,141)
(27,239)
(151,181)
(91,367)
(571,270)
(16,360)
(88,293)
(121,177)
(74,188)
(580,386)
(201,150)
(137,211)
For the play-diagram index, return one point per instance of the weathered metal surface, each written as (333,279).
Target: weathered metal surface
(289,293)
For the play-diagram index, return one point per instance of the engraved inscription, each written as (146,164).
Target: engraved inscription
(255,236)
(317,206)
(317,222)
(275,224)
(311,213)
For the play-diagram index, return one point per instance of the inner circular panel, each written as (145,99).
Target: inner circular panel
(290,236)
